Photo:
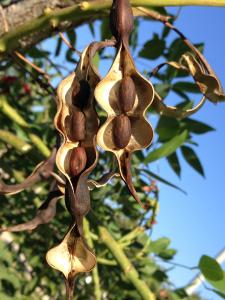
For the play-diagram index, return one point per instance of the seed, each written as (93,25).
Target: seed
(127,94)
(75,126)
(121,131)
(78,160)
(81,93)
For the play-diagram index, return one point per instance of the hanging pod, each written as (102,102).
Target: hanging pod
(77,121)
(125,95)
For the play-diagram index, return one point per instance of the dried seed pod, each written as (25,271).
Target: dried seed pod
(71,256)
(107,94)
(80,94)
(75,126)
(78,161)
(121,131)
(127,94)
(121,20)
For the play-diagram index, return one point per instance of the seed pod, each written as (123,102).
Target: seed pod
(127,94)
(81,93)
(121,20)
(78,160)
(121,131)
(75,126)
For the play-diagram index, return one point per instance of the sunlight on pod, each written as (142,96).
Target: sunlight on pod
(125,130)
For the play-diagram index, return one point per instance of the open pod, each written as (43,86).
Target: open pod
(71,256)
(125,95)
(77,121)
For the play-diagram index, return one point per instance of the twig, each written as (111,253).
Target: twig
(41,83)
(68,44)
(178,265)
(39,70)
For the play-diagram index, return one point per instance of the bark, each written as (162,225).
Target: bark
(18,14)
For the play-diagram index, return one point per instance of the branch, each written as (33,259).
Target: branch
(51,21)
(129,270)
(95,274)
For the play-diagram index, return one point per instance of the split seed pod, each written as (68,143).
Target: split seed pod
(77,121)
(117,134)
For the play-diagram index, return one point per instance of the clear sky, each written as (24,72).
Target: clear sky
(195,223)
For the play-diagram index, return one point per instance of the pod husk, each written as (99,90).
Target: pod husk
(106,94)
(72,255)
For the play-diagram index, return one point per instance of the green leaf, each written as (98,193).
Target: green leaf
(58,46)
(105,33)
(219,284)
(210,268)
(192,159)
(167,254)
(157,177)
(92,29)
(167,148)
(153,49)
(177,48)
(197,127)
(162,89)
(167,128)
(186,86)
(159,245)
(174,163)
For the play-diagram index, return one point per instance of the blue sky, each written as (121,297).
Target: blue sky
(195,223)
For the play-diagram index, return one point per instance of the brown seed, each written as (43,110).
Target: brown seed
(75,126)
(127,94)
(78,160)
(121,20)
(81,93)
(121,131)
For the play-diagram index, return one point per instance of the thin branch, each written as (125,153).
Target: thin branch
(44,85)
(68,44)
(27,61)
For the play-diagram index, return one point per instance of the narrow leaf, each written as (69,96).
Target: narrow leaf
(192,159)
(174,163)
(162,180)
(197,127)
(167,148)
(153,49)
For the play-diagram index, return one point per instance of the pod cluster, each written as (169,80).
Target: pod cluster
(77,121)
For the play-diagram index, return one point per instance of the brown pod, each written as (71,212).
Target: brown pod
(81,93)
(121,131)
(75,126)
(121,20)
(127,94)
(78,161)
